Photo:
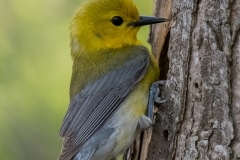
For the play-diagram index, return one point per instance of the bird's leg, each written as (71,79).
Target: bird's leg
(147,120)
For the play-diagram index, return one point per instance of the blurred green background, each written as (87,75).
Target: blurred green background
(35,71)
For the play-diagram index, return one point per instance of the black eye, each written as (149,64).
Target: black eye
(117,21)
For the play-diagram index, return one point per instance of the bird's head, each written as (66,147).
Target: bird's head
(104,24)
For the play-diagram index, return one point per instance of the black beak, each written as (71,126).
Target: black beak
(145,20)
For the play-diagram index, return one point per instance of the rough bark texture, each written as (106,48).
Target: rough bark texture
(200,60)
(235,76)
(201,119)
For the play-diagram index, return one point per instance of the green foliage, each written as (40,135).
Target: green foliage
(35,69)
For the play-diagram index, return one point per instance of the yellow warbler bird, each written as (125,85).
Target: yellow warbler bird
(111,80)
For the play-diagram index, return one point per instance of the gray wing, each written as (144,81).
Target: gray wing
(90,109)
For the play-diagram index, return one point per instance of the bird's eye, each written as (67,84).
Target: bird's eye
(117,21)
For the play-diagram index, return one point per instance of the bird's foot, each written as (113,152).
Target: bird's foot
(154,97)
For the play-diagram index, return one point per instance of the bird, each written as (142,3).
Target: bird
(112,76)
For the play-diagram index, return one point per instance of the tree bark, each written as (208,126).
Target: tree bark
(200,61)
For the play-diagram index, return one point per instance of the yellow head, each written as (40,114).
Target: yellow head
(104,24)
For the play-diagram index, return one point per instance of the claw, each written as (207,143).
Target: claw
(159,100)
(161,82)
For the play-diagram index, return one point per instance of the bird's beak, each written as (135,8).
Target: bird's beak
(145,20)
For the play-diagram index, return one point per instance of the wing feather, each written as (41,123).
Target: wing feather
(90,109)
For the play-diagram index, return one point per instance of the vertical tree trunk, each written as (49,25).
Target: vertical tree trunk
(200,60)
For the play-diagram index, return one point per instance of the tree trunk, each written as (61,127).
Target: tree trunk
(200,61)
